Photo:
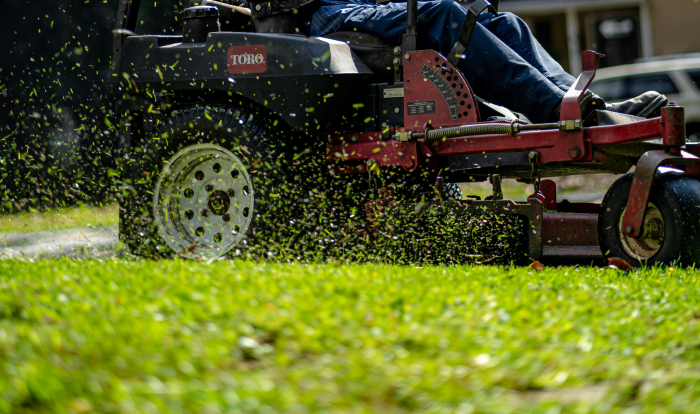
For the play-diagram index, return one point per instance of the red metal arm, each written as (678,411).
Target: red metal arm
(571,143)
(673,130)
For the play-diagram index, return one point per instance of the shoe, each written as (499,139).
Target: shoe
(589,103)
(646,105)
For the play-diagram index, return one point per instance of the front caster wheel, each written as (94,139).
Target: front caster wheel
(671,223)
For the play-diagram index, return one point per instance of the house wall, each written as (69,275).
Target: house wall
(676,26)
(556,45)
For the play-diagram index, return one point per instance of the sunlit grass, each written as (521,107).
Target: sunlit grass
(60,219)
(183,337)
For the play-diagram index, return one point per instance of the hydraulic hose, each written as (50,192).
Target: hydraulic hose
(480,129)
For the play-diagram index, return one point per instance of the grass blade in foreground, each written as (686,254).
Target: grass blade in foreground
(242,337)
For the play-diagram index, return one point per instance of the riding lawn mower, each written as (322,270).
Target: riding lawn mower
(216,123)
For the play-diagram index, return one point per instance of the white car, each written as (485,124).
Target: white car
(678,79)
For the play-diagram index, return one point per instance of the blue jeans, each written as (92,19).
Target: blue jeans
(504,63)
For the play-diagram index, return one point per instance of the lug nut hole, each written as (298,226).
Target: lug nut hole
(189,193)
(235,173)
(217,168)
(209,187)
(199,232)
(226,217)
(189,214)
(217,237)
(199,175)
(205,213)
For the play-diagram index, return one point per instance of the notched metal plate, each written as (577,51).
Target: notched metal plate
(443,87)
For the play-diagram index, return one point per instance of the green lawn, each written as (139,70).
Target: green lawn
(183,337)
(60,219)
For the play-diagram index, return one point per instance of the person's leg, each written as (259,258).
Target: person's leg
(494,70)
(515,33)
(497,73)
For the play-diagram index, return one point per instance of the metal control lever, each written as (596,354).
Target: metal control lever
(239,9)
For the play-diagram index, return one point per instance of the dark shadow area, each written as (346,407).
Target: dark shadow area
(55,110)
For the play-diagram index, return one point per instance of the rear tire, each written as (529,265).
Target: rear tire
(672,222)
(204,185)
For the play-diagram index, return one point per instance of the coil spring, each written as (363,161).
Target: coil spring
(466,130)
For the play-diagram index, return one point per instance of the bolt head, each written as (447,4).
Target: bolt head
(407,56)
(397,50)
(354,138)
(397,110)
(574,152)
(258,7)
(397,61)
(629,229)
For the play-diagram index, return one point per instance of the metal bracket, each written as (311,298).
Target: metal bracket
(644,175)
(570,125)
(127,18)
(495,181)
(673,133)
(534,158)
(532,211)
(571,141)
(474,9)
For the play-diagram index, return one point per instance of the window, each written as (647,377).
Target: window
(695,77)
(659,82)
(610,89)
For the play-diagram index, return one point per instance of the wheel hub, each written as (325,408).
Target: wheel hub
(203,201)
(652,238)
(219,202)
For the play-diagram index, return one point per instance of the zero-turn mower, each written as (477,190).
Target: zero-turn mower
(214,124)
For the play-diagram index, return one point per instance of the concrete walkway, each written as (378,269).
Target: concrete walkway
(93,242)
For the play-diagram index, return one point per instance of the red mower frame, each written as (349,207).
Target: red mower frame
(442,119)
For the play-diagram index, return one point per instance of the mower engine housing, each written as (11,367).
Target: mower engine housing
(199,21)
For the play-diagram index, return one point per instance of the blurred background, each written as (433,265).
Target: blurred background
(624,30)
(55,110)
(55,57)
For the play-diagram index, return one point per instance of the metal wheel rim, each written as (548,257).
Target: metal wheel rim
(652,239)
(203,202)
